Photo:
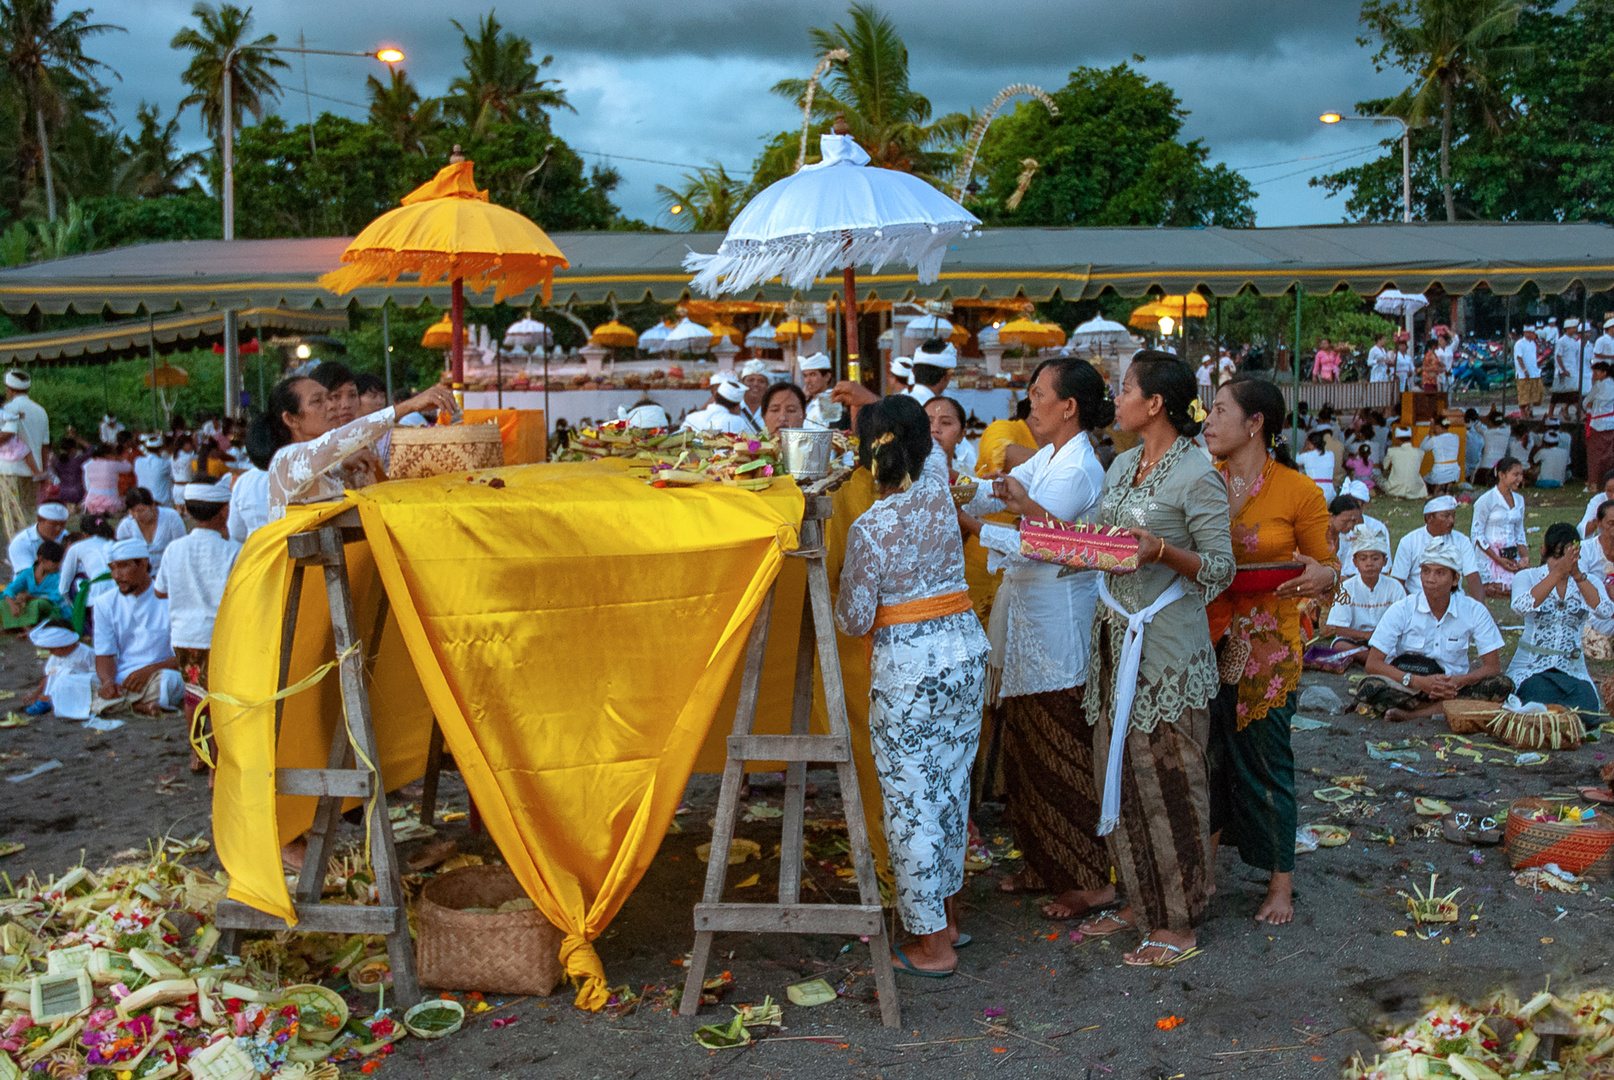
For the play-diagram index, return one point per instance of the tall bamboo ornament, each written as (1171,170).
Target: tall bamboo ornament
(807,100)
(972,145)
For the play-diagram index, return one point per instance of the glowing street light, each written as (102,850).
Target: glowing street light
(1167,325)
(1406,152)
(389,56)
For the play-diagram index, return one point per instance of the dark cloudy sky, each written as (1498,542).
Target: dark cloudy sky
(687,81)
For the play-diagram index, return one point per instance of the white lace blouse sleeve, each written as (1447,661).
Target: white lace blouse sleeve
(860,583)
(1481,527)
(296,467)
(935,467)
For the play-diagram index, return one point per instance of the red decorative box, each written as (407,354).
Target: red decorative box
(1083,546)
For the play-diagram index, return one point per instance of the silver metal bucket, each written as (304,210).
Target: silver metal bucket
(806,452)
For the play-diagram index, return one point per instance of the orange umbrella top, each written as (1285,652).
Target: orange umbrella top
(720,329)
(613,335)
(447,228)
(439,335)
(1025,332)
(794,328)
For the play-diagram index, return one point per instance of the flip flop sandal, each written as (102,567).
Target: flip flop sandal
(1489,833)
(963,940)
(1122,925)
(1456,827)
(1172,956)
(906,967)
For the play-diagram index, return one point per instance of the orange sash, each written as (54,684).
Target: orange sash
(931,607)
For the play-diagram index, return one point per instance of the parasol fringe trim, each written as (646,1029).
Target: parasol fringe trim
(800,260)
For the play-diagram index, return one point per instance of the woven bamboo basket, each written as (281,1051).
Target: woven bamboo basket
(433,451)
(1559,728)
(1584,848)
(1469,716)
(516,952)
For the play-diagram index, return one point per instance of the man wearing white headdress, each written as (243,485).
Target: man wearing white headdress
(1439,523)
(1403,468)
(817,379)
(754,376)
(154,471)
(134,656)
(933,366)
(191,579)
(902,371)
(1418,654)
(1205,377)
(645,415)
(69,684)
(49,524)
(33,429)
(722,413)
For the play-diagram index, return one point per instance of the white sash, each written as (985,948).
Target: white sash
(1126,685)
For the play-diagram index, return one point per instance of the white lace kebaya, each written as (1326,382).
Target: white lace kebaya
(307,472)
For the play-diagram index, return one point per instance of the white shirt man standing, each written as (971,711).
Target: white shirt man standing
(134,658)
(817,380)
(1572,371)
(1603,347)
(1226,368)
(755,378)
(153,471)
(1378,361)
(1527,371)
(33,429)
(1205,376)
(1404,366)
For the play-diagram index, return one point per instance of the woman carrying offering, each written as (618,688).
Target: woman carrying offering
(1040,632)
(1557,599)
(902,587)
(310,446)
(1152,672)
(1499,529)
(1278,515)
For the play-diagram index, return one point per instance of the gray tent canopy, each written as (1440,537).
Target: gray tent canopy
(1001,263)
(82,343)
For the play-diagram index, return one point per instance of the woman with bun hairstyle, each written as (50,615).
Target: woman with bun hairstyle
(1040,629)
(1278,515)
(902,589)
(1152,673)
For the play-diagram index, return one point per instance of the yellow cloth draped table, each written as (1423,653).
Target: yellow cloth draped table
(573,631)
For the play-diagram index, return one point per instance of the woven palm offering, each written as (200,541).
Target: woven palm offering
(1595,646)
(964,491)
(1559,728)
(1086,546)
(1541,832)
(479,931)
(432,451)
(1470,716)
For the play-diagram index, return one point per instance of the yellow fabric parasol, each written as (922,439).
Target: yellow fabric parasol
(439,335)
(167,375)
(613,335)
(959,336)
(720,329)
(1056,333)
(794,328)
(1025,333)
(447,228)
(1149,315)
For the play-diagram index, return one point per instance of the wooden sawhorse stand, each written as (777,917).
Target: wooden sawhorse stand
(790,915)
(341,778)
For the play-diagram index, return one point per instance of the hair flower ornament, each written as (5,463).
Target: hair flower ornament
(1197,411)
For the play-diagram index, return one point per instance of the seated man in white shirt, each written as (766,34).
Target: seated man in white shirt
(1418,655)
(722,413)
(1552,461)
(49,525)
(133,656)
(1439,519)
(1366,594)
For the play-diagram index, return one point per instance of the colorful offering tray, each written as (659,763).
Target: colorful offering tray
(1079,545)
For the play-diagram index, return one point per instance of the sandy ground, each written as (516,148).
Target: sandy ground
(1028,1000)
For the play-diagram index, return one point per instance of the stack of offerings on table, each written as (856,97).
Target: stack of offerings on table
(116,975)
(684,458)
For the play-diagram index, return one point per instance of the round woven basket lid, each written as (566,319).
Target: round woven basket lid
(438,436)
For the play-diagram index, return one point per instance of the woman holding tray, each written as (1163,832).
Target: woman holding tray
(1152,672)
(1040,629)
(1278,514)
(902,587)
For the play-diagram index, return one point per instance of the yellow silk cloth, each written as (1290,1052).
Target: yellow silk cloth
(520,430)
(573,632)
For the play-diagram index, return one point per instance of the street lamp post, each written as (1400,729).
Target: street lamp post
(232,357)
(1406,168)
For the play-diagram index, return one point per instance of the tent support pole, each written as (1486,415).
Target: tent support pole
(456,369)
(386,348)
(1294,412)
(232,365)
(849,325)
(151,339)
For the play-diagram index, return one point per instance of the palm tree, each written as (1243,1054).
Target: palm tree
(707,200)
(154,164)
(44,58)
(886,116)
(1455,47)
(221,30)
(501,81)
(399,110)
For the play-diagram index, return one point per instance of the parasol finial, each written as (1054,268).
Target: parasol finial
(840,126)
(456,157)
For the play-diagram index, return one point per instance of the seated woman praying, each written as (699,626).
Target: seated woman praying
(1365,595)
(1556,600)
(1418,657)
